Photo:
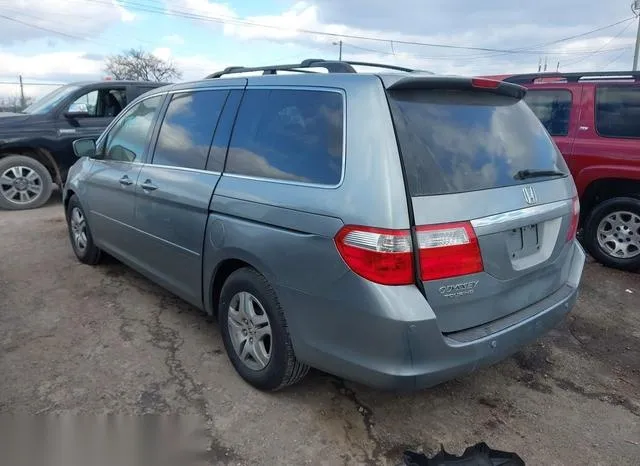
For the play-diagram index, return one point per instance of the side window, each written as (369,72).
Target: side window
(100,103)
(86,103)
(187,129)
(553,109)
(294,135)
(618,112)
(113,102)
(128,138)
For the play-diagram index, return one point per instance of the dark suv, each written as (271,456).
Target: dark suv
(594,119)
(36,145)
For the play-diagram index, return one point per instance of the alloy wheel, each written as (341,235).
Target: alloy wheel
(250,330)
(20,185)
(619,234)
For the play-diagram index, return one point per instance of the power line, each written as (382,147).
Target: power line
(564,39)
(42,28)
(464,57)
(16,83)
(54,31)
(188,14)
(601,48)
(618,57)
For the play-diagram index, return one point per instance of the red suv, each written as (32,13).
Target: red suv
(594,119)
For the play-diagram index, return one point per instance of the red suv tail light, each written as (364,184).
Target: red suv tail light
(448,250)
(575,218)
(382,256)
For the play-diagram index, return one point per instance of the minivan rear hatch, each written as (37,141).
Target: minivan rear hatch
(492,201)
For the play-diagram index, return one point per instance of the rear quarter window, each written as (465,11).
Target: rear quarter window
(288,135)
(553,109)
(618,112)
(459,141)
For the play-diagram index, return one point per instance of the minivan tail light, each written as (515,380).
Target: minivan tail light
(575,218)
(448,250)
(379,255)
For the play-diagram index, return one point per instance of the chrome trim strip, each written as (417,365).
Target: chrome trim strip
(539,213)
(344,138)
(208,88)
(185,169)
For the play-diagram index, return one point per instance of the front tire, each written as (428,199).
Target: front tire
(80,234)
(255,334)
(24,183)
(612,233)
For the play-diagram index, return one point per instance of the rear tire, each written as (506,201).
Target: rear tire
(266,363)
(80,234)
(24,183)
(612,233)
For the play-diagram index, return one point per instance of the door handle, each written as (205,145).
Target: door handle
(148,186)
(126,181)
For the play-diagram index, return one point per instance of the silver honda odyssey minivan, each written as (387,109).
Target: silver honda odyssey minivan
(397,228)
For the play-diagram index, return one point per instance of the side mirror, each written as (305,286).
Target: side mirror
(77,110)
(84,147)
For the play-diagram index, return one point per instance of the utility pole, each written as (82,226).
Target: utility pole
(22,102)
(635,7)
(339,43)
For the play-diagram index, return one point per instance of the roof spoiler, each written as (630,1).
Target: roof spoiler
(458,83)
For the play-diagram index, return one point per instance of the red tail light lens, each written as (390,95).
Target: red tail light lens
(382,256)
(448,250)
(575,218)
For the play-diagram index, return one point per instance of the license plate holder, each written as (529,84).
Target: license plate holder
(523,241)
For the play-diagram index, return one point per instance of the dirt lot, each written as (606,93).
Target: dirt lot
(105,340)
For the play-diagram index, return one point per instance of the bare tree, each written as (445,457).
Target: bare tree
(139,65)
(13,104)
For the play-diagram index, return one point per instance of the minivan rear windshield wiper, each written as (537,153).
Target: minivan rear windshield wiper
(525,174)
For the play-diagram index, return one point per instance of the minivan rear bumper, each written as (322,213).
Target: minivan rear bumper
(393,350)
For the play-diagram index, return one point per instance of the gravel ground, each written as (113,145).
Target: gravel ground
(77,339)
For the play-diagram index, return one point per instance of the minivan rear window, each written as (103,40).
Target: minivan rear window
(459,141)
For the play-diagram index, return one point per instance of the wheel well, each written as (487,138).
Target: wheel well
(224,270)
(605,189)
(42,156)
(66,199)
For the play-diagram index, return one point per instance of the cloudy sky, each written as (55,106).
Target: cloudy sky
(58,41)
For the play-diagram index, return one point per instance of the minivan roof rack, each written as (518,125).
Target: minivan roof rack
(573,77)
(332,66)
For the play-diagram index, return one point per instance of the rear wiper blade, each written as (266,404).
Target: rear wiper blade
(525,174)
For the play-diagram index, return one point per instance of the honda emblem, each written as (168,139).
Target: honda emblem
(530,196)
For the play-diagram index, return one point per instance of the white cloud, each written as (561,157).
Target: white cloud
(496,24)
(38,69)
(211,9)
(62,19)
(68,66)
(125,15)
(49,65)
(174,39)
(163,53)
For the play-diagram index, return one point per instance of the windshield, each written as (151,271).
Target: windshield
(49,101)
(461,141)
